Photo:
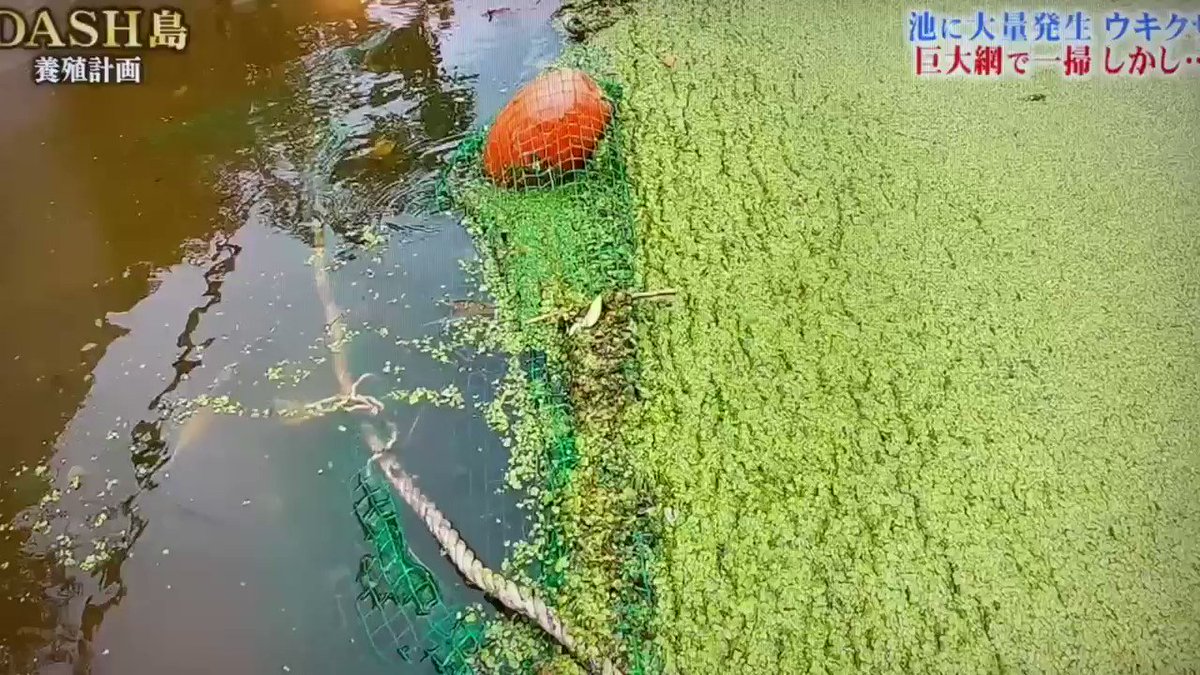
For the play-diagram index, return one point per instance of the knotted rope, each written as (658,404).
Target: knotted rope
(513,596)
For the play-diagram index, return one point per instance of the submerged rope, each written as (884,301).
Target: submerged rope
(513,596)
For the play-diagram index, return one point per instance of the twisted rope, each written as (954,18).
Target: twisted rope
(513,596)
(517,598)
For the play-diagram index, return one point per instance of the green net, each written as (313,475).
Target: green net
(564,233)
(546,195)
(547,392)
(404,608)
(400,604)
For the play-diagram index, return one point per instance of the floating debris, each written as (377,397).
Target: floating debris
(493,13)
(382,148)
(470,308)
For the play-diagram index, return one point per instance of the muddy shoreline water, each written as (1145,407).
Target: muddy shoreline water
(175,523)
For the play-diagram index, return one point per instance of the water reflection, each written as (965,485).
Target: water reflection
(242,546)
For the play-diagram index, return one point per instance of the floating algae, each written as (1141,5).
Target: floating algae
(553,252)
(923,412)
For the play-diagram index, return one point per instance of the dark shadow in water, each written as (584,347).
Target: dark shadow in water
(384,103)
(149,451)
(76,618)
(224,262)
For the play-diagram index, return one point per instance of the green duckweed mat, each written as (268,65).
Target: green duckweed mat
(926,402)
(929,404)
(559,242)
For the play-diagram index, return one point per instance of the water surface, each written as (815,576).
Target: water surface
(158,244)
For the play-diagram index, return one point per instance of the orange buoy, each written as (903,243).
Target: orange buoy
(553,123)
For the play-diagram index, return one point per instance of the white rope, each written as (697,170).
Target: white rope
(516,598)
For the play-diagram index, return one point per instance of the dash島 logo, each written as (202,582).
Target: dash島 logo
(72,46)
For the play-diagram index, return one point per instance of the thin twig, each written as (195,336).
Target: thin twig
(666,293)
(558,313)
(663,294)
(410,430)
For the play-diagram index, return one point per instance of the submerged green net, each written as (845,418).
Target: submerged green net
(557,242)
(400,604)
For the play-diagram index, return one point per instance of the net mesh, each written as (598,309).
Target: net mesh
(400,604)
(408,612)
(547,392)
(548,132)
(545,193)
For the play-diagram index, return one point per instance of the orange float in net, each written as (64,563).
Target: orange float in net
(552,126)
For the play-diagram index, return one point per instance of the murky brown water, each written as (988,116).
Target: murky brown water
(156,251)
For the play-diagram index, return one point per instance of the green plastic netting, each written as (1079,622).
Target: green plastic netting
(547,392)
(558,238)
(400,604)
(555,238)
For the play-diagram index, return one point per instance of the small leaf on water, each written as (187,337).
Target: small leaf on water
(382,148)
(593,313)
(88,347)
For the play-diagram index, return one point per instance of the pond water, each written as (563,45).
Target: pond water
(158,249)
